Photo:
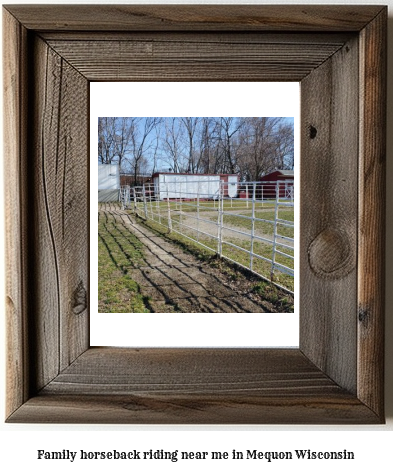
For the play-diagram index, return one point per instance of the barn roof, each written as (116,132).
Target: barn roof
(278,173)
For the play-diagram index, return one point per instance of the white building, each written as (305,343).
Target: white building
(108,182)
(191,186)
(108,176)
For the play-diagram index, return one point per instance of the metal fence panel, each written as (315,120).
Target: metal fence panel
(253,227)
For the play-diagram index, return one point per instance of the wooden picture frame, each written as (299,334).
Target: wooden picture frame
(338,54)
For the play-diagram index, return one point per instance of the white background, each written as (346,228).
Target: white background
(371,444)
(163,99)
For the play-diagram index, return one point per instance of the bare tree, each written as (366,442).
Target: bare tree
(251,146)
(156,147)
(191,125)
(141,128)
(285,146)
(227,129)
(106,139)
(259,146)
(114,135)
(206,144)
(173,144)
(124,132)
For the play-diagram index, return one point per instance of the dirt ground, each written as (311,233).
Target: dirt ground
(176,281)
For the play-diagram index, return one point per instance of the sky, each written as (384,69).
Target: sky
(162,159)
(193,99)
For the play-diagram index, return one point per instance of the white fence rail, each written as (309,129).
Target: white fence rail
(254,229)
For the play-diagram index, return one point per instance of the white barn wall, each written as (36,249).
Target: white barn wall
(108,176)
(183,186)
(190,186)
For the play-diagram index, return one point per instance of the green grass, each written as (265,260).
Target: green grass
(263,227)
(260,227)
(240,256)
(270,293)
(260,266)
(191,206)
(118,251)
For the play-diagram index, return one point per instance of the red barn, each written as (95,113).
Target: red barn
(269,183)
(129,179)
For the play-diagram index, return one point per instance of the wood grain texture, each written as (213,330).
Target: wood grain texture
(59,223)
(328,248)
(186,371)
(239,409)
(201,37)
(335,377)
(14,148)
(371,277)
(195,17)
(190,59)
(195,385)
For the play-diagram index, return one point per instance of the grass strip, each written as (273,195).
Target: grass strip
(118,251)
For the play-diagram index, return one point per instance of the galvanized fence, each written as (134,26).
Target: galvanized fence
(250,224)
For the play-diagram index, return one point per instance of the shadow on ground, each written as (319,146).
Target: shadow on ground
(170,279)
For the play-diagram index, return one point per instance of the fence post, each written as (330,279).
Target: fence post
(275,231)
(181,207)
(121,197)
(169,209)
(252,225)
(262,194)
(144,201)
(150,202)
(158,204)
(198,191)
(134,196)
(220,218)
(124,196)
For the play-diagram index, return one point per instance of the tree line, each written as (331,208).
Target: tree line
(248,146)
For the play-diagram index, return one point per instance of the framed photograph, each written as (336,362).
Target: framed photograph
(166,211)
(337,54)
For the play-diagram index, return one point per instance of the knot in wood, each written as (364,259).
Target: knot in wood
(364,316)
(330,254)
(80,299)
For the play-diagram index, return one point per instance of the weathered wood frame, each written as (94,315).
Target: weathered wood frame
(338,53)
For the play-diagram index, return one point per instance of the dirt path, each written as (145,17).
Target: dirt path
(176,281)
